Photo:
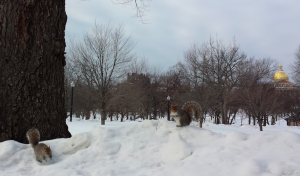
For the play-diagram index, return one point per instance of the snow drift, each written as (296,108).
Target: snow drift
(159,148)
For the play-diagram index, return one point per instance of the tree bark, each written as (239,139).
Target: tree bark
(32,64)
(233,118)
(103,117)
(249,119)
(224,112)
(122,117)
(103,112)
(260,123)
(201,121)
(87,115)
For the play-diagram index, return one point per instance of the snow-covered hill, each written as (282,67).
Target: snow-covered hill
(159,148)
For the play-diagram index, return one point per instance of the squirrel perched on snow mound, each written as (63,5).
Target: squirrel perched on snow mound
(41,150)
(183,116)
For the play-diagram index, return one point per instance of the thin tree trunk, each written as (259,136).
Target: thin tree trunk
(94,114)
(201,121)
(260,123)
(103,112)
(111,116)
(87,115)
(273,120)
(249,120)
(32,64)
(233,117)
(224,113)
(122,116)
(265,120)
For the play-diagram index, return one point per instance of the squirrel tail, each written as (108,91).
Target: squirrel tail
(192,106)
(33,136)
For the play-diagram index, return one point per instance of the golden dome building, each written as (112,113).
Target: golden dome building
(281,79)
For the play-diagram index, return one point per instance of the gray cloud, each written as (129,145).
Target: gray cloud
(268,28)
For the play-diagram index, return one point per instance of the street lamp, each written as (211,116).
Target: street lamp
(72,85)
(168,98)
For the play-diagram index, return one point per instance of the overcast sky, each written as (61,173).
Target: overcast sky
(262,28)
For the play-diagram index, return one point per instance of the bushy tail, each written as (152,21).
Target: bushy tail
(192,106)
(33,136)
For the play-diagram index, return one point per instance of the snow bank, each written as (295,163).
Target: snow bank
(159,148)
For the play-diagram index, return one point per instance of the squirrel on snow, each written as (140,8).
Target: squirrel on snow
(41,150)
(183,116)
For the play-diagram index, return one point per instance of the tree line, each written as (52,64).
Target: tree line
(220,77)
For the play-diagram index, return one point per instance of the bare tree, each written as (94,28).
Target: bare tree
(296,67)
(140,7)
(260,99)
(201,91)
(102,58)
(219,67)
(257,96)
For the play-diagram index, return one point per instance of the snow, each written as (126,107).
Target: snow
(158,147)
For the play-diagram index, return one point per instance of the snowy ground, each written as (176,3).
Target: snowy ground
(159,148)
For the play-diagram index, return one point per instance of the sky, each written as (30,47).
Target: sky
(269,28)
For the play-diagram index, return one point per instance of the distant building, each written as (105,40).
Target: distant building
(293,120)
(134,77)
(281,80)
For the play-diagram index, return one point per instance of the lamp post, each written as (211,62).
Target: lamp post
(168,98)
(72,85)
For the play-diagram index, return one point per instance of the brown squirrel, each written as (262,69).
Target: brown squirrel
(183,116)
(41,150)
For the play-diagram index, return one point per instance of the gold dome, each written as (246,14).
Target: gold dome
(280,74)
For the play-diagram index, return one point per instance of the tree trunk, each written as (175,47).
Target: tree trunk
(249,120)
(87,115)
(111,116)
(260,123)
(32,64)
(224,113)
(103,113)
(273,120)
(122,117)
(103,117)
(233,118)
(201,122)
(265,120)
(94,114)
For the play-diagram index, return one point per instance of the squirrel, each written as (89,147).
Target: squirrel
(41,150)
(183,116)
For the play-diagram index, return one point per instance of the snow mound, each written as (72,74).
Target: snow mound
(235,136)
(78,142)
(158,147)
(176,149)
